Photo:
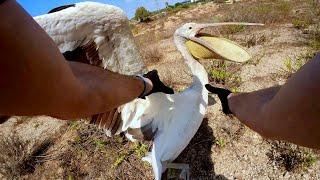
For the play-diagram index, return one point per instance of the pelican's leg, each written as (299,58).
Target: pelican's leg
(185,169)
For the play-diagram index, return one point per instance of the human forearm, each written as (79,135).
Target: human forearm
(106,90)
(288,113)
(248,107)
(294,113)
(35,79)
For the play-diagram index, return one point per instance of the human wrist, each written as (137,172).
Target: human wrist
(147,86)
(229,101)
(233,102)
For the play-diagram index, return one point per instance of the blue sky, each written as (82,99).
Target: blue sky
(129,6)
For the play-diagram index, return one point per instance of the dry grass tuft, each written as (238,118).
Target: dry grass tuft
(233,29)
(301,22)
(16,161)
(298,13)
(315,38)
(254,39)
(13,157)
(152,55)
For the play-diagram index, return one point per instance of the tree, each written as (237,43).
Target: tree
(167,4)
(142,14)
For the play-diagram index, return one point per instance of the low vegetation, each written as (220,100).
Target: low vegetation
(91,154)
(233,29)
(226,74)
(262,12)
(142,15)
(254,40)
(315,37)
(301,23)
(271,12)
(120,159)
(13,157)
(291,157)
(152,55)
(140,149)
(292,65)
(221,143)
(176,7)
(17,160)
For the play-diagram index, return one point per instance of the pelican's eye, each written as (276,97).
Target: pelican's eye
(190,27)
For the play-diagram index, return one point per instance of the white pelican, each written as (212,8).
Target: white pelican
(99,34)
(179,116)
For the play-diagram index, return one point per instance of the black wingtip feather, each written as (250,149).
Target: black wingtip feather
(61,8)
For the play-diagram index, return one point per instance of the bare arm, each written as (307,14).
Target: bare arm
(290,112)
(35,79)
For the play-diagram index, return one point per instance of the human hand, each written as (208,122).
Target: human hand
(223,96)
(154,84)
(108,121)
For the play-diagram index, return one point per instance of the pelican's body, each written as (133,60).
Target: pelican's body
(174,118)
(177,123)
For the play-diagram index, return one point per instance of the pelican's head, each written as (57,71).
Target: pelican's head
(207,46)
(190,30)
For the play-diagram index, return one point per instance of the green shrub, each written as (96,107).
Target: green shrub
(140,149)
(142,15)
(292,65)
(221,143)
(219,75)
(181,5)
(176,7)
(301,23)
(233,29)
(315,38)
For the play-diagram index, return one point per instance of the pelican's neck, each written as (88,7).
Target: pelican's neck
(197,70)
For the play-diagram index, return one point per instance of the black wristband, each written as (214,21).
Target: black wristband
(1,1)
(142,95)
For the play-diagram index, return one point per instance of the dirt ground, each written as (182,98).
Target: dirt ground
(223,148)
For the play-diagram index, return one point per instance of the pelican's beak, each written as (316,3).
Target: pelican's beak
(210,47)
(211,25)
(208,25)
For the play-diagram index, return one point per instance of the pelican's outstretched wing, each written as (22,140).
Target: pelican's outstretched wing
(103,27)
(61,8)
(87,54)
(97,34)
